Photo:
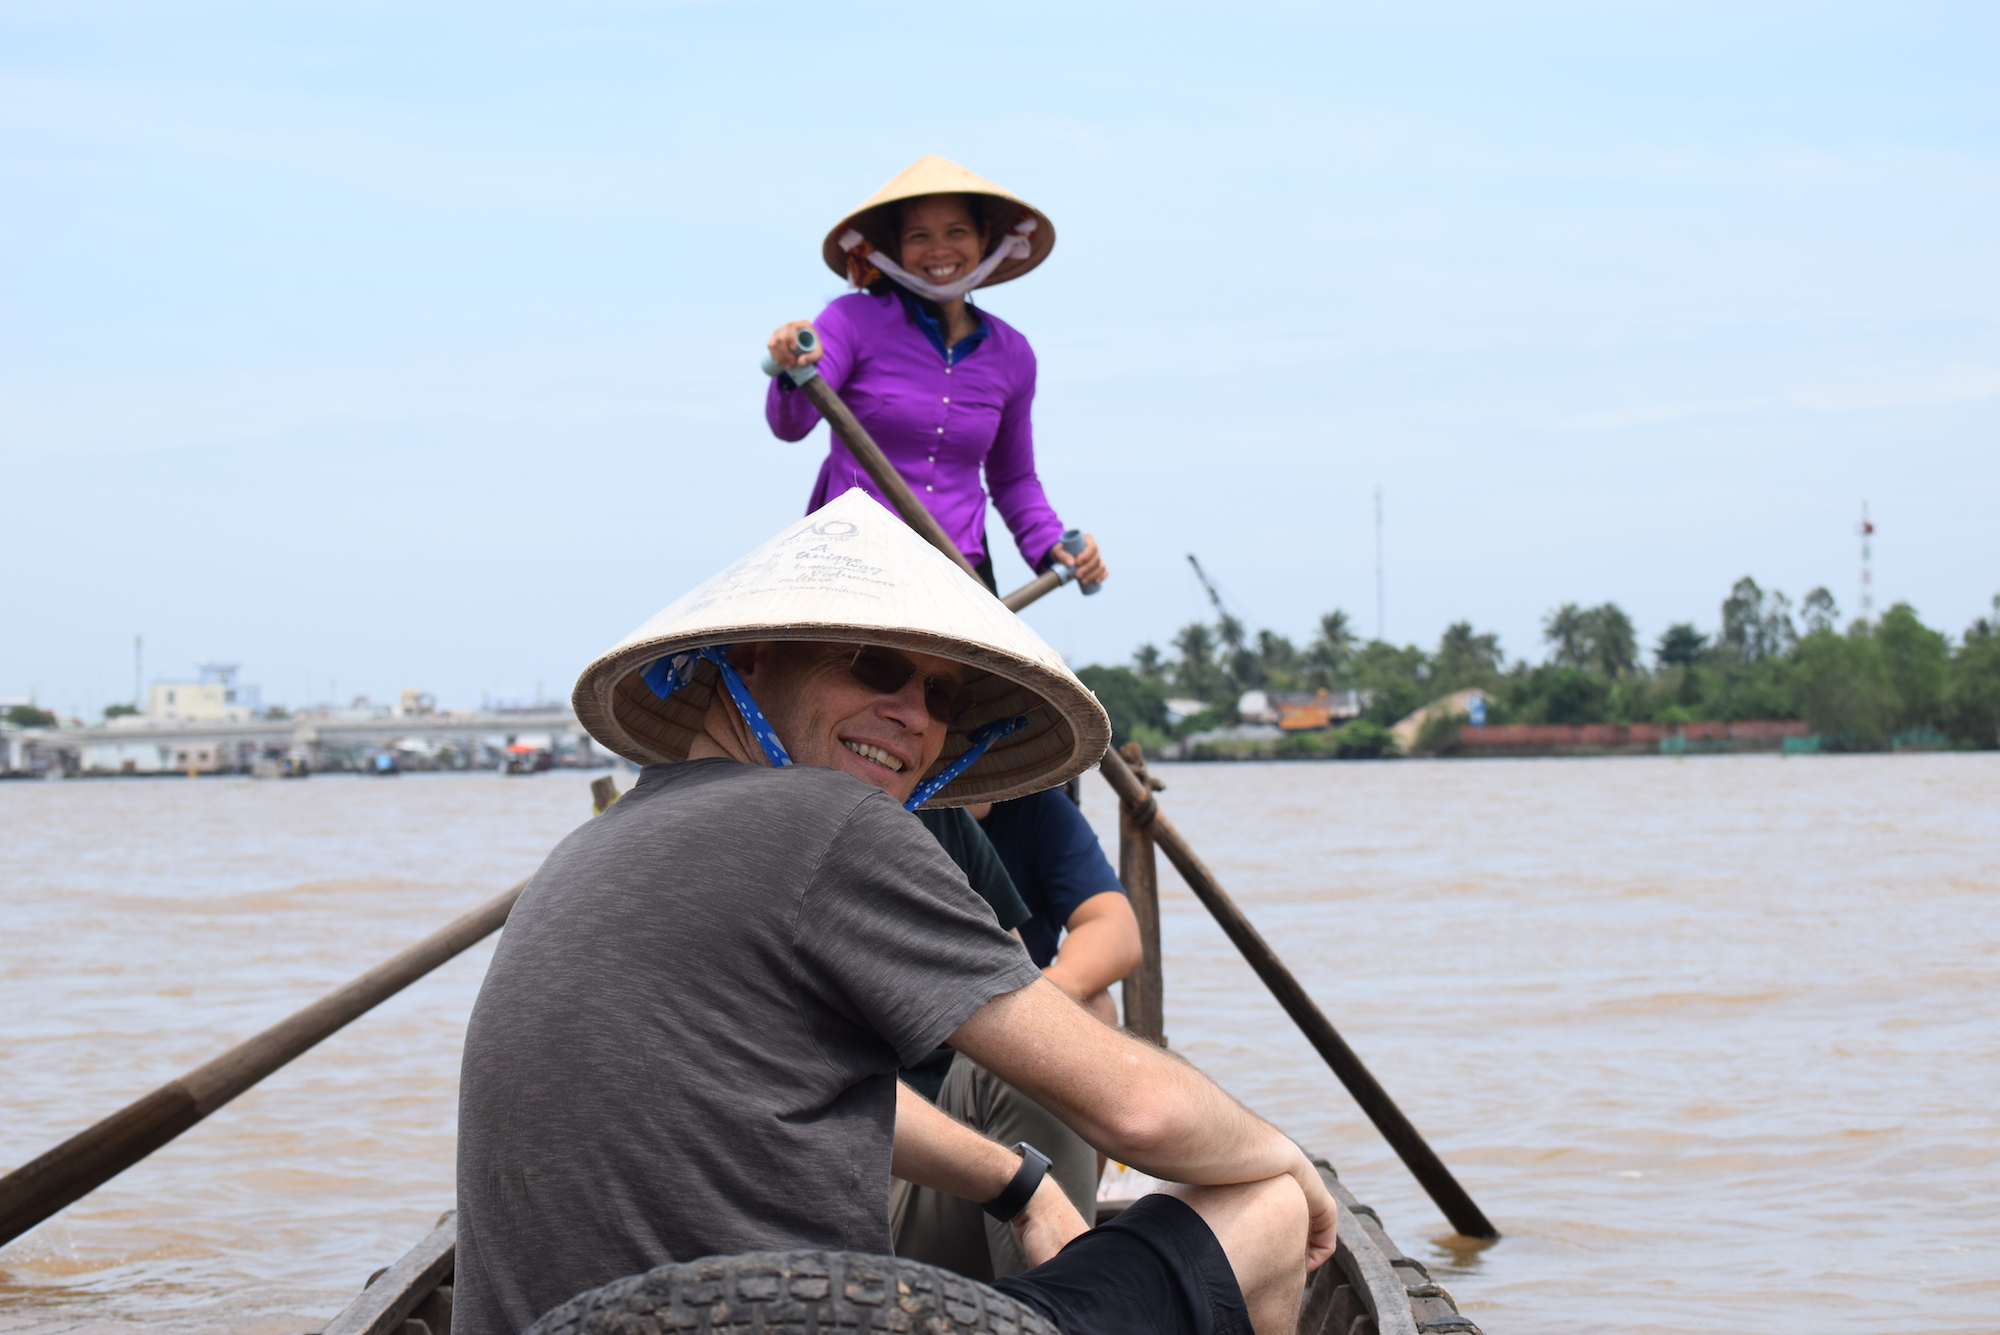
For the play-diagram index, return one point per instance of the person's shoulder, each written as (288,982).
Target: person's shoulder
(861,308)
(1006,336)
(802,791)
(1000,328)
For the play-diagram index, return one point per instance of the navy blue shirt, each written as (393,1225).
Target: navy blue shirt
(933,329)
(1053,856)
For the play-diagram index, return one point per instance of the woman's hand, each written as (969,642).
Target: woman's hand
(785,352)
(1090,568)
(1048,1222)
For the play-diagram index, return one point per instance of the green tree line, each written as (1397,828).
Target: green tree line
(1864,686)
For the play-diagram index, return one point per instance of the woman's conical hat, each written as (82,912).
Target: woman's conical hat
(933,175)
(853,573)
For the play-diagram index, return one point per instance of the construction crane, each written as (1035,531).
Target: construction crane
(1232,629)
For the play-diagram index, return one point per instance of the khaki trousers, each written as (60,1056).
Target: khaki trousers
(943,1230)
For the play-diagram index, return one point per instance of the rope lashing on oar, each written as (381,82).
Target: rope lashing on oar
(670,673)
(864,263)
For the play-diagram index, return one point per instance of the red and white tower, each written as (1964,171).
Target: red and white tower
(1867,578)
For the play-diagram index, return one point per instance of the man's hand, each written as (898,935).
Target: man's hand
(1322,1213)
(1047,1223)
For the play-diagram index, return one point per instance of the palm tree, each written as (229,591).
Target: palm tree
(1819,611)
(1680,645)
(1613,646)
(1330,654)
(1464,656)
(1566,629)
(1196,673)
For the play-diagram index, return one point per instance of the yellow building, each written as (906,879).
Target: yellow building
(214,698)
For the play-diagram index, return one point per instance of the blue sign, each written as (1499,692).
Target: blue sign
(1475,711)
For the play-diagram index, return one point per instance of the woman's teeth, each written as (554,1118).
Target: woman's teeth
(944,271)
(874,753)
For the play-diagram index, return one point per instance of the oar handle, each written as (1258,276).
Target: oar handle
(1074,542)
(803,341)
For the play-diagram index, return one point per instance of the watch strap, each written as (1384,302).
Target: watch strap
(1027,1180)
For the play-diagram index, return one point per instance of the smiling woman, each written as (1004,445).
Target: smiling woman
(945,388)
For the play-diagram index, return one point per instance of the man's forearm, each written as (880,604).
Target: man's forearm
(932,1150)
(936,1151)
(1129,1099)
(1099,947)
(1136,1103)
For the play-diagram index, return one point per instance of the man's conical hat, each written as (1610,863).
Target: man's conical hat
(933,175)
(853,573)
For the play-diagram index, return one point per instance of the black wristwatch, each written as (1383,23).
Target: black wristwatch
(1034,1167)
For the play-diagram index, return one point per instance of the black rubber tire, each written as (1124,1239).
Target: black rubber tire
(794,1293)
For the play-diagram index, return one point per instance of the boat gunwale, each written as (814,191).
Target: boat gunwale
(1396,1290)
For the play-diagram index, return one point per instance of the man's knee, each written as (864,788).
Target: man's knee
(1261,1226)
(1275,1205)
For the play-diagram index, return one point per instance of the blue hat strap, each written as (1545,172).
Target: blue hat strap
(670,674)
(979,739)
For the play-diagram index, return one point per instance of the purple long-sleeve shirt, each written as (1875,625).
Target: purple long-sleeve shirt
(939,421)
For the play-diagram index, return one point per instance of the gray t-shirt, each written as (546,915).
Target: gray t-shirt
(686,1043)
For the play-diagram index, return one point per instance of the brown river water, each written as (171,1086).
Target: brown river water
(1715,1041)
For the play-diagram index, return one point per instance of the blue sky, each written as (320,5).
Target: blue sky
(376,346)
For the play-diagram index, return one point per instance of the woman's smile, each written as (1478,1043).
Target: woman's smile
(940,240)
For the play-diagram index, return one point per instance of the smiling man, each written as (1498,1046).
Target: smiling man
(686,1044)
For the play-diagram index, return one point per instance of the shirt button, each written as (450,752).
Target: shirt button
(947,398)
(933,458)
(947,370)
(929,487)
(940,431)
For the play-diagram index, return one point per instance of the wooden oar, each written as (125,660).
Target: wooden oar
(87,1160)
(1144,809)
(866,452)
(1053,578)
(1458,1207)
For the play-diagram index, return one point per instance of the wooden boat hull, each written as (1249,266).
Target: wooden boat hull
(1370,1287)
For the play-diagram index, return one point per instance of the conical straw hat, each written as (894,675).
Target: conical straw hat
(933,175)
(853,573)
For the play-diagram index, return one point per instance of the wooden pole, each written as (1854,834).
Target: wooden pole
(1422,1161)
(87,1160)
(883,473)
(1047,582)
(1145,993)
(1138,801)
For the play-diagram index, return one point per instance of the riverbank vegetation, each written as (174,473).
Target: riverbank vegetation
(1869,685)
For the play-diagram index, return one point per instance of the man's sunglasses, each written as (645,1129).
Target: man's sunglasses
(888,672)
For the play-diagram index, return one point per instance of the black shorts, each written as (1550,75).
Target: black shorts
(1156,1268)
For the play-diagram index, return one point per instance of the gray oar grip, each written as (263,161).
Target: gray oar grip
(803,340)
(1073,543)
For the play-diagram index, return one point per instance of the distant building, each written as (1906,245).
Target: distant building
(1256,707)
(1181,708)
(215,697)
(1303,711)
(129,757)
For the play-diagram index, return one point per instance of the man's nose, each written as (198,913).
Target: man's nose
(906,706)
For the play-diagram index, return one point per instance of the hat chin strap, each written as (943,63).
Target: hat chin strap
(669,674)
(1013,246)
(980,739)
